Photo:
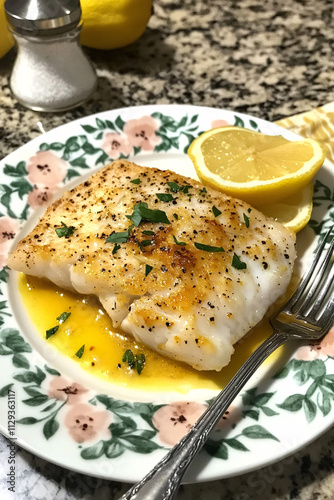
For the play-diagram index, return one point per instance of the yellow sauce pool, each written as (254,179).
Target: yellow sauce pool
(89,325)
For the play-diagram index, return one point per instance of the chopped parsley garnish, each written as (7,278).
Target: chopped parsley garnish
(135,181)
(148,269)
(185,189)
(129,358)
(144,243)
(64,231)
(181,243)
(136,216)
(246,219)
(203,191)
(52,331)
(208,248)
(164,196)
(236,262)
(140,363)
(121,237)
(137,361)
(176,217)
(216,212)
(116,248)
(141,213)
(80,352)
(63,317)
(249,210)
(149,233)
(175,188)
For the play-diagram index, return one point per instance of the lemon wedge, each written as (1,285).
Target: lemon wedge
(255,167)
(293,212)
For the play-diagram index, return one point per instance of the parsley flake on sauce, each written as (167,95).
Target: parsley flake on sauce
(181,243)
(208,248)
(64,231)
(216,212)
(148,269)
(129,358)
(203,191)
(236,262)
(51,332)
(135,181)
(164,196)
(63,317)
(140,363)
(149,233)
(246,219)
(80,352)
(141,213)
(137,361)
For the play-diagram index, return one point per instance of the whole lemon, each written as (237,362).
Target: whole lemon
(6,39)
(110,24)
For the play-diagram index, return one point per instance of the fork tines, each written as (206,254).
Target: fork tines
(313,301)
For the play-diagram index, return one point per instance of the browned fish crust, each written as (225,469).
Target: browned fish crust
(164,264)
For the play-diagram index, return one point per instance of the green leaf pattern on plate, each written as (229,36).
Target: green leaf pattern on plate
(323,200)
(318,387)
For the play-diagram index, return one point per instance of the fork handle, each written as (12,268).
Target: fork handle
(163,481)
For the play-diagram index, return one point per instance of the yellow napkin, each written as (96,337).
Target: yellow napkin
(317,124)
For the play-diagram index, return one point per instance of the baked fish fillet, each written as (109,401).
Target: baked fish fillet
(183,268)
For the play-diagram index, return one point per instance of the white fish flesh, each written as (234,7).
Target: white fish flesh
(185,269)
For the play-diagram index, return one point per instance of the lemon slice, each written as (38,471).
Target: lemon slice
(293,212)
(255,167)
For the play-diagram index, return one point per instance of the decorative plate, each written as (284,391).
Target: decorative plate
(54,409)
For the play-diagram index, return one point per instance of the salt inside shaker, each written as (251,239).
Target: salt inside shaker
(51,71)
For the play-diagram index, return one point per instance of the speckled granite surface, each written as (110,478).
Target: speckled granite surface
(269,59)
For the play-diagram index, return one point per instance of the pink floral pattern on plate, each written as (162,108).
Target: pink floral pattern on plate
(40,196)
(8,229)
(230,418)
(116,145)
(61,389)
(174,421)
(219,123)
(141,133)
(85,423)
(47,169)
(46,172)
(318,350)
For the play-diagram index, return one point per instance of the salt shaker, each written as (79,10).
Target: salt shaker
(51,71)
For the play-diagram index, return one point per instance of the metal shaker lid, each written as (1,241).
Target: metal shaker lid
(42,17)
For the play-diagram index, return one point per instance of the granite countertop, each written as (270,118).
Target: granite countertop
(271,60)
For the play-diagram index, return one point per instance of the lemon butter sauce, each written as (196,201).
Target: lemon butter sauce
(89,325)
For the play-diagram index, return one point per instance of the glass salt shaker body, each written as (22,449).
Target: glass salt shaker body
(51,71)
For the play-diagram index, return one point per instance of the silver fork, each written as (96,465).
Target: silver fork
(308,315)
